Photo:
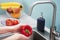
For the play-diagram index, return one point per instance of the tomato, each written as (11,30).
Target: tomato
(25,30)
(9,22)
(15,22)
(9,10)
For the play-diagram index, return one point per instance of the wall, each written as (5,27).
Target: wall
(47,9)
(58,14)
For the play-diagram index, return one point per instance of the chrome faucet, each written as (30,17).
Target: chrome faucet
(53,33)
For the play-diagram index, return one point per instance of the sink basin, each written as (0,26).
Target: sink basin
(37,36)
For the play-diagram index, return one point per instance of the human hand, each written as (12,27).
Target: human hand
(15,28)
(17,36)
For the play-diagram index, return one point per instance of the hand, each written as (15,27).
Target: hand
(17,36)
(24,29)
(15,28)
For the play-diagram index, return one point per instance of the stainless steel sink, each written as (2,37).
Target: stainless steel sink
(37,36)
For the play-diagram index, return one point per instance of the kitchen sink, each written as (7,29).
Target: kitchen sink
(37,36)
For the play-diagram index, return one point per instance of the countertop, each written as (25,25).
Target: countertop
(25,19)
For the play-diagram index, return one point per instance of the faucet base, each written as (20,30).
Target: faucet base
(52,36)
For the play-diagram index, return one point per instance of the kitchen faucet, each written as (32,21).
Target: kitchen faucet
(53,32)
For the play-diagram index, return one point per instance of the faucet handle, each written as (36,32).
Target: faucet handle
(57,34)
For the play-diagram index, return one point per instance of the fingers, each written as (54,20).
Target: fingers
(22,37)
(17,36)
(17,27)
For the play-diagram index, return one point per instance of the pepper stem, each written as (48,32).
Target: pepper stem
(27,31)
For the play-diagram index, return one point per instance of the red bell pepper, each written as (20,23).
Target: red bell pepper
(25,30)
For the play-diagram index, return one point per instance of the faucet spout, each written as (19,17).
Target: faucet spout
(53,17)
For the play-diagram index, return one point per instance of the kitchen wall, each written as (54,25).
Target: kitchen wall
(58,14)
(47,10)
